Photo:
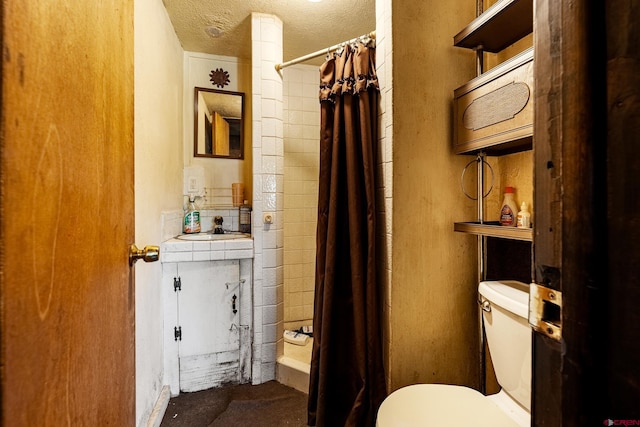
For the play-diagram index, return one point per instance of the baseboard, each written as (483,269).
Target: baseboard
(155,419)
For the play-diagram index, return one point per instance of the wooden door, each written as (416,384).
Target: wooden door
(67,216)
(587,233)
(209,349)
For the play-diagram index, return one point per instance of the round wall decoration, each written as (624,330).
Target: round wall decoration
(219,77)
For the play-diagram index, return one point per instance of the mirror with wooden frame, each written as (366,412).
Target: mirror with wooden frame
(218,123)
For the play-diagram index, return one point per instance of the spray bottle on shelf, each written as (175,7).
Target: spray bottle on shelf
(509,208)
(191,222)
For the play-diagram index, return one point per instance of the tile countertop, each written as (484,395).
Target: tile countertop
(176,250)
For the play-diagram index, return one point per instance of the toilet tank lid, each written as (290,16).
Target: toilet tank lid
(508,294)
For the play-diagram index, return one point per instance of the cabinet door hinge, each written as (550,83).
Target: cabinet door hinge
(177,284)
(177,333)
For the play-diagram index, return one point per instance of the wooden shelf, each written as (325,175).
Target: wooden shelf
(501,25)
(502,149)
(494,229)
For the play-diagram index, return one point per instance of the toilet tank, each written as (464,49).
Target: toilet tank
(509,335)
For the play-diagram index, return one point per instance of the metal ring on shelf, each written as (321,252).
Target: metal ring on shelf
(476,160)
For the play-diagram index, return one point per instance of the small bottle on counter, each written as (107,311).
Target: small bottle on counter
(509,208)
(191,217)
(524,217)
(245,218)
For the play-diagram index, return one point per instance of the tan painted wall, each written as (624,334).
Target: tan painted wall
(219,173)
(432,329)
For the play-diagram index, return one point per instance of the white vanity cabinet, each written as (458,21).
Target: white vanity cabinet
(207,313)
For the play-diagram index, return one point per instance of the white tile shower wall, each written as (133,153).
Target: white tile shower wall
(268,184)
(384,69)
(384,168)
(301,163)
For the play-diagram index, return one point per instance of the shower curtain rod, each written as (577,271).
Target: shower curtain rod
(279,67)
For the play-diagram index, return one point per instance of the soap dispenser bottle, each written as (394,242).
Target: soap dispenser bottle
(191,217)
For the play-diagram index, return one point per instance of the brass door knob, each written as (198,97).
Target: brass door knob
(148,254)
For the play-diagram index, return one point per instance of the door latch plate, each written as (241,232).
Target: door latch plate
(545,311)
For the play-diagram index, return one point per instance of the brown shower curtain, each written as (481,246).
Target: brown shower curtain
(347,383)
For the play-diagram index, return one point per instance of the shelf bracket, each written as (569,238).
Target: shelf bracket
(479,59)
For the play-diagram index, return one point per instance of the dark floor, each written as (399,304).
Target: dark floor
(266,405)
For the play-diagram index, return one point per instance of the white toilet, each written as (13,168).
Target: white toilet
(508,333)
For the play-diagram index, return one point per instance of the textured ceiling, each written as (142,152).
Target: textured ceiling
(223,27)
